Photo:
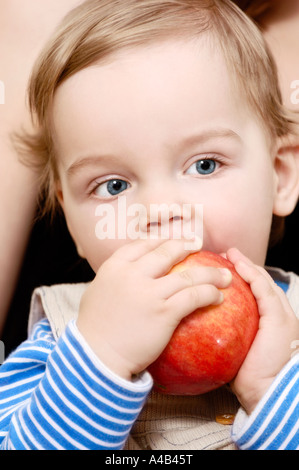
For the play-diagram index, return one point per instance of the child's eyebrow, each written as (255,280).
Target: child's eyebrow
(88,161)
(196,138)
(209,134)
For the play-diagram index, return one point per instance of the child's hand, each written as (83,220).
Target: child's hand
(278,328)
(130,310)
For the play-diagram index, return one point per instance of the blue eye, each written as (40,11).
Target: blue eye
(112,187)
(115,187)
(205,166)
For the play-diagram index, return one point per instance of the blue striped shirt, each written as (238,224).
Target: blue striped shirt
(58,395)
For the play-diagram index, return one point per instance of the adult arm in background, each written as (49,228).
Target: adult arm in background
(279,23)
(24,28)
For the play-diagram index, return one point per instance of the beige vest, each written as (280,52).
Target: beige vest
(166,422)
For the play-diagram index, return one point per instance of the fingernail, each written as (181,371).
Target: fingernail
(196,239)
(226,273)
(220,299)
(194,244)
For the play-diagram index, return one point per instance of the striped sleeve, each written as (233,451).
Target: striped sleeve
(274,424)
(60,396)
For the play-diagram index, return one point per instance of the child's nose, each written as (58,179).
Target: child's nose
(162,215)
(168,213)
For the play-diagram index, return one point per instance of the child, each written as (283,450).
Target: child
(156,103)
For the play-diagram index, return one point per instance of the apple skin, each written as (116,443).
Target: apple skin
(209,345)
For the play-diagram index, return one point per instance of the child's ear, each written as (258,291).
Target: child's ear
(286,167)
(59,195)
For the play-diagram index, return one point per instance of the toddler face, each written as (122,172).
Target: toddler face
(156,125)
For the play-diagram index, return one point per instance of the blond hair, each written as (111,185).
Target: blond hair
(98,28)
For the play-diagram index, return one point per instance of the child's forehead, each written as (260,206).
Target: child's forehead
(201,53)
(148,68)
(150,61)
(172,92)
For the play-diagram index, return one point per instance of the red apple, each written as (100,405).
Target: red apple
(209,345)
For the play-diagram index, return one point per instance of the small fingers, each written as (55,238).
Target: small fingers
(186,301)
(194,276)
(157,252)
(249,271)
(136,249)
(163,256)
(268,294)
